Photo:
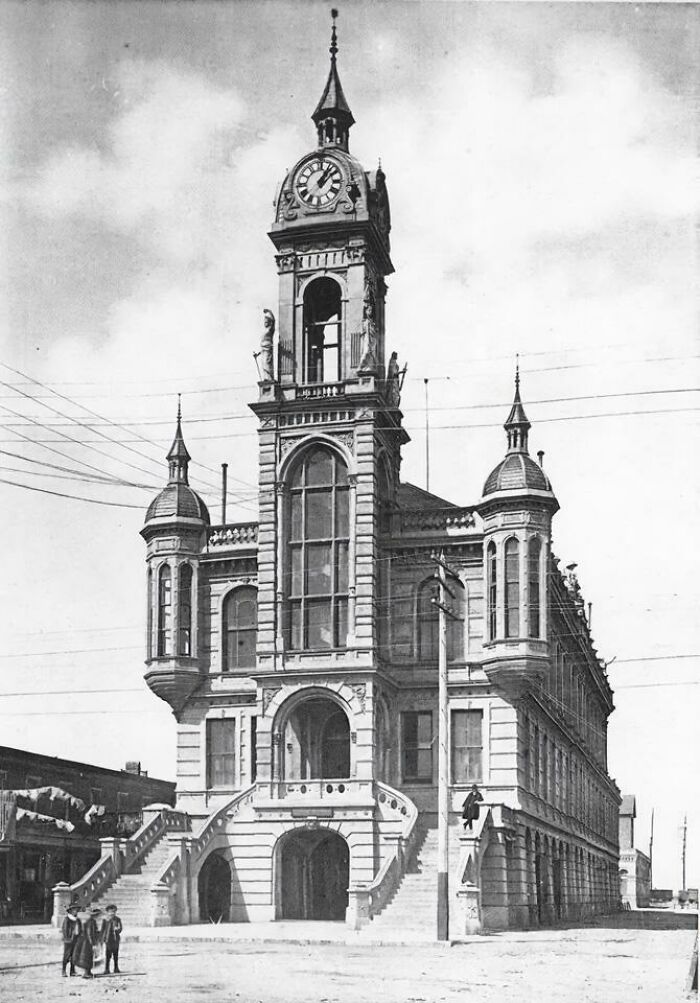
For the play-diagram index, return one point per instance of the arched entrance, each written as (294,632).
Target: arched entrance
(317,741)
(314,875)
(215,889)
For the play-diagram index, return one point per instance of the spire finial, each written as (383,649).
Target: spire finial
(334,35)
(517,425)
(179,408)
(333,117)
(178,457)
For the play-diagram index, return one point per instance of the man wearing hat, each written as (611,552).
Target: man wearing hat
(70,932)
(84,955)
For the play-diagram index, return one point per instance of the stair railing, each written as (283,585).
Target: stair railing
(368,899)
(171,893)
(118,857)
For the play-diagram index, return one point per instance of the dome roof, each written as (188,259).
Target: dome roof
(177,500)
(517,472)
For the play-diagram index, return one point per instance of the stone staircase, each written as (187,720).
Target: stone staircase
(131,892)
(413,906)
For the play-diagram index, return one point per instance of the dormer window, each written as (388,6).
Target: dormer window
(322,331)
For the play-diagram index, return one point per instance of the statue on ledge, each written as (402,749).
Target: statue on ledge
(368,357)
(266,364)
(393,380)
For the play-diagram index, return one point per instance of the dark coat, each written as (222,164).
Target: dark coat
(84,953)
(470,809)
(71,929)
(111,931)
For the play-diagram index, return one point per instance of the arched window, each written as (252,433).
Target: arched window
(512,588)
(240,629)
(428,621)
(318,531)
(492,588)
(165,611)
(322,331)
(533,585)
(184,646)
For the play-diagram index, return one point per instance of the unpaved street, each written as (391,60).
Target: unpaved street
(569,966)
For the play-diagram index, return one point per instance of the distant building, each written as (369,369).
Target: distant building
(635,866)
(53,813)
(299,653)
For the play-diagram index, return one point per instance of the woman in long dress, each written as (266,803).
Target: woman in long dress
(88,941)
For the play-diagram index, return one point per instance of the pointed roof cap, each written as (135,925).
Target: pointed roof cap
(333,100)
(178,455)
(178,500)
(517,425)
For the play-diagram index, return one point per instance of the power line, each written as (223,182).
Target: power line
(61,494)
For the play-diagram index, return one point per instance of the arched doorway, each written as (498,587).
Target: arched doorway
(314,875)
(215,889)
(317,742)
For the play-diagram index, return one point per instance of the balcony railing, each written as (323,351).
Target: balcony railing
(241,534)
(313,391)
(313,791)
(450,521)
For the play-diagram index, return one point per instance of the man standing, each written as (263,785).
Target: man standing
(70,931)
(111,934)
(470,808)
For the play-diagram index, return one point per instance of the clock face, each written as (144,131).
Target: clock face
(318,182)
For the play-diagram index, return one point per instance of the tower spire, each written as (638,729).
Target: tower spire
(333,117)
(517,426)
(178,457)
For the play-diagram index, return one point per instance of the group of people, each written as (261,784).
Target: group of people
(83,941)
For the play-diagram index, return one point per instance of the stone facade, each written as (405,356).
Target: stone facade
(300,653)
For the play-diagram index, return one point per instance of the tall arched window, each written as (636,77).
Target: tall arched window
(240,629)
(165,611)
(322,331)
(428,621)
(492,589)
(512,588)
(184,646)
(317,553)
(533,584)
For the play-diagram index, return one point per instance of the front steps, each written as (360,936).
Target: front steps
(131,893)
(412,910)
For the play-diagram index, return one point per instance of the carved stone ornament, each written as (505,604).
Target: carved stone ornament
(289,442)
(355,253)
(347,439)
(360,693)
(285,262)
(268,696)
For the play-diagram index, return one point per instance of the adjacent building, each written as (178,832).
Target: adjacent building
(299,653)
(635,866)
(53,813)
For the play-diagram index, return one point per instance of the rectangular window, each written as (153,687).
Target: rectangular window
(467,746)
(418,746)
(122,802)
(33,781)
(96,795)
(221,752)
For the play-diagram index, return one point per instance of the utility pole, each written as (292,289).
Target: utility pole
(427,438)
(685,830)
(651,851)
(442,573)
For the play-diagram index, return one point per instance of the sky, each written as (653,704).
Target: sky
(542,168)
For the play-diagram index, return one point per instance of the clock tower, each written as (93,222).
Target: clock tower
(329,393)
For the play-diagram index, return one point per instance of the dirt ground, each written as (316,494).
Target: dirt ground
(570,966)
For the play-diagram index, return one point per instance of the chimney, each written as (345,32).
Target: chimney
(132,766)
